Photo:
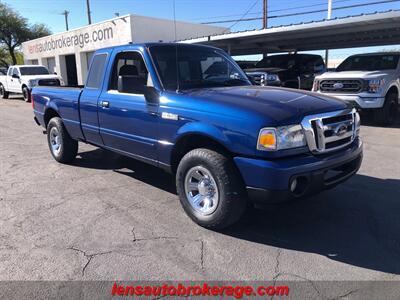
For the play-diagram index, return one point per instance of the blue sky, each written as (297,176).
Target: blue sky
(49,12)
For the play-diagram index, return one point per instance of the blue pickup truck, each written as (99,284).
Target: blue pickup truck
(192,111)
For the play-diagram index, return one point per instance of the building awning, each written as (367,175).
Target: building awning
(376,29)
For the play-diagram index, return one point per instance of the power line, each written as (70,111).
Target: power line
(274,10)
(301,13)
(245,14)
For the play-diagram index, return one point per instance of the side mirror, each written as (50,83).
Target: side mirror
(151,95)
(55,73)
(15,76)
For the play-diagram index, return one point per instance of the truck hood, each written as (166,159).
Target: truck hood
(356,74)
(281,106)
(33,77)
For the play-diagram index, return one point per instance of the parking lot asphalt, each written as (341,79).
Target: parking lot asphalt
(108,217)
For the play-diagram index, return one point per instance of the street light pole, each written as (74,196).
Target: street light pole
(328,18)
(88,12)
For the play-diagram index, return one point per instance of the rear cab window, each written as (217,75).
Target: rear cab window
(96,71)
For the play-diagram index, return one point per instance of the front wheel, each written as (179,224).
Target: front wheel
(26,93)
(210,189)
(3,93)
(63,148)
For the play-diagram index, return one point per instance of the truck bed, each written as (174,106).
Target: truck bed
(65,100)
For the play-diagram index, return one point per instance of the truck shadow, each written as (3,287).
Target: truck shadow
(107,160)
(357,223)
(367,120)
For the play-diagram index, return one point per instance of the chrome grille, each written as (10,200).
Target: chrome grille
(330,131)
(341,86)
(258,77)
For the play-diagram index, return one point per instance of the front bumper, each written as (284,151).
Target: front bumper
(270,181)
(363,101)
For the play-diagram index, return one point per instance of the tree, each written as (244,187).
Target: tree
(14,30)
(5,58)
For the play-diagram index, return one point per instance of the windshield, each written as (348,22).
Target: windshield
(277,61)
(197,67)
(369,63)
(33,71)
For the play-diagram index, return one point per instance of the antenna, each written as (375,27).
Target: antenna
(176,51)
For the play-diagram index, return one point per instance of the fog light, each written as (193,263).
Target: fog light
(293,185)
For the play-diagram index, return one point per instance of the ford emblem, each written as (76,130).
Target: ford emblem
(338,85)
(340,130)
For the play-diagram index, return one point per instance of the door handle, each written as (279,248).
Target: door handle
(105,104)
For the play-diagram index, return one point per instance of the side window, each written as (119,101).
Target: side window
(96,71)
(10,71)
(16,72)
(129,69)
(319,65)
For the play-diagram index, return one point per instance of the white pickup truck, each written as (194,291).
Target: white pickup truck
(370,81)
(22,78)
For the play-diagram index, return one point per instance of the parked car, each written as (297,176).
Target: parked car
(370,81)
(246,64)
(190,110)
(22,78)
(287,70)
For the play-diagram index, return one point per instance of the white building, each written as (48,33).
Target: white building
(69,53)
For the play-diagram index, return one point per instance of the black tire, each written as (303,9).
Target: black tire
(232,198)
(26,93)
(68,148)
(387,115)
(3,93)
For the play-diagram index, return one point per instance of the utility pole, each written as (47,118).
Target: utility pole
(328,18)
(66,13)
(88,12)
(265,19)
(265,14)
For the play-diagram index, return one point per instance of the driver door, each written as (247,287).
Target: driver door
(127,121)
(14,83)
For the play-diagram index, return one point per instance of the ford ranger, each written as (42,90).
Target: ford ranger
(370,81)
(21,79)
(191,110)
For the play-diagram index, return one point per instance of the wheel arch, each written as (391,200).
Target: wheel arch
(49,114)
(193,140)
(394,89)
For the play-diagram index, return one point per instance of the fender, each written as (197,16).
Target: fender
(50,105)
(204,129)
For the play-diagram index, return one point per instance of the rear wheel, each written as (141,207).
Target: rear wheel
(27,94)
(63,148)
(210,189)
(387,115)
(3,93)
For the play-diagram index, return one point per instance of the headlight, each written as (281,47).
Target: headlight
(375,85)
(358,123)
(272,77)
(33,82)
(315,86)
(285,137)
